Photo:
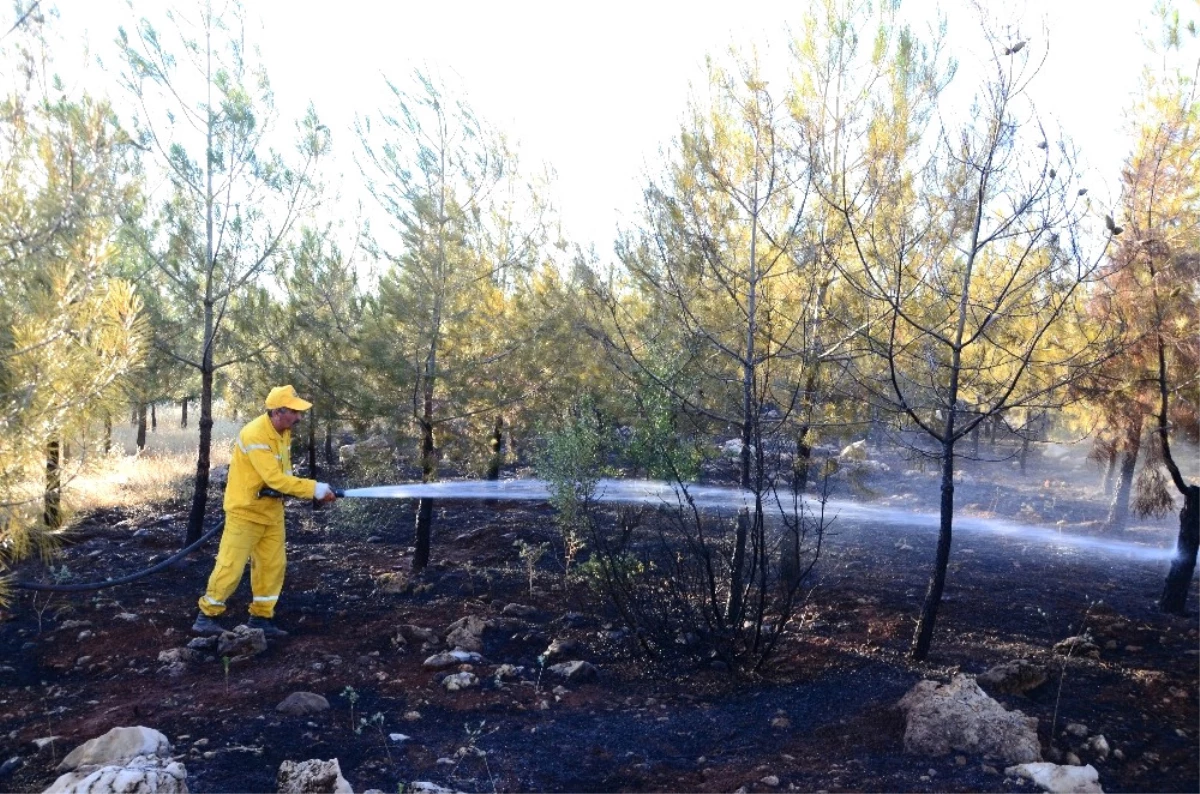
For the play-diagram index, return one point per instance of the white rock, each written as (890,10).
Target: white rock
(959,716)
(1059,779)
(302,777)
(117,747)
(243,641)
(855,451)
(575,672)
(458,681)
(138,776)
(440,661)
(425,787)
(508,672)
(466,633)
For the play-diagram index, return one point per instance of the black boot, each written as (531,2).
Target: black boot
(268,628)
(206,625)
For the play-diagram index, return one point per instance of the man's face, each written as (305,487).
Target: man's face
(285,418)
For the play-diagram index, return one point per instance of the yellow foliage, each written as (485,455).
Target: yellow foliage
(68,332)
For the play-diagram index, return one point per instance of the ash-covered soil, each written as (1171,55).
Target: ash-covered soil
(822,717)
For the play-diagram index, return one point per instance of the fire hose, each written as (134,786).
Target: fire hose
(133,577)
(85,586)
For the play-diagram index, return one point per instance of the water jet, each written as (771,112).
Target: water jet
(727,498)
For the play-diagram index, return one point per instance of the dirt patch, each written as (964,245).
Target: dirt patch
(822,718)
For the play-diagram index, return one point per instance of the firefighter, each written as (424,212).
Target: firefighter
(254,523)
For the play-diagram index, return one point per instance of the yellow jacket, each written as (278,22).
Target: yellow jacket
(262,457)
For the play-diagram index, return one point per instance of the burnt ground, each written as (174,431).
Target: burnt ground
(822,718)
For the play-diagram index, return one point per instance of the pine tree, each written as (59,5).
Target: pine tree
(69,332)
(970,250)
(466,231)
(233,201)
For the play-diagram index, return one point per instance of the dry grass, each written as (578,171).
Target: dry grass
(163,473)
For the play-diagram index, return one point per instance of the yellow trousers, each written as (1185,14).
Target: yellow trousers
(263,545)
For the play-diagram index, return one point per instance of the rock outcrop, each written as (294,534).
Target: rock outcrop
(122,761)
(117,746)
(961,717)
(300,704)
(1013,678)
(311,777)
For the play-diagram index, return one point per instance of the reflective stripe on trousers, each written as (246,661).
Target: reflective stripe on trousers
(263,546)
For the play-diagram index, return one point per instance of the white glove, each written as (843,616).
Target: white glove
(322,492)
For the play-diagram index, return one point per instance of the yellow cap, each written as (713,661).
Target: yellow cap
(286,397)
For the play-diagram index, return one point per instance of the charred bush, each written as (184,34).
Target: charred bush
(672,573)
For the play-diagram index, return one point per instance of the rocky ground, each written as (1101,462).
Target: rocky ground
(824,717)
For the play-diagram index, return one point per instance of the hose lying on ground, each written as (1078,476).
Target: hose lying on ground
(84,586)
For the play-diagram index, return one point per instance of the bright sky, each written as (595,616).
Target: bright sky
(595,89)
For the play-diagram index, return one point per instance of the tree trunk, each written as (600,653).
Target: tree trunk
(328,443)
(203,453)
(808,396)
(52,499)
(744,459)
(141,426)
(183,406)
(749,406)
(207,365)
(313,470)
(108,428)
(153,418)
(425,506)
(803,460)
(1118,511)
(310,447)
(1179,578)
(496,448)
(1110,471)
(733,608)
(1024,450)
(937,581)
